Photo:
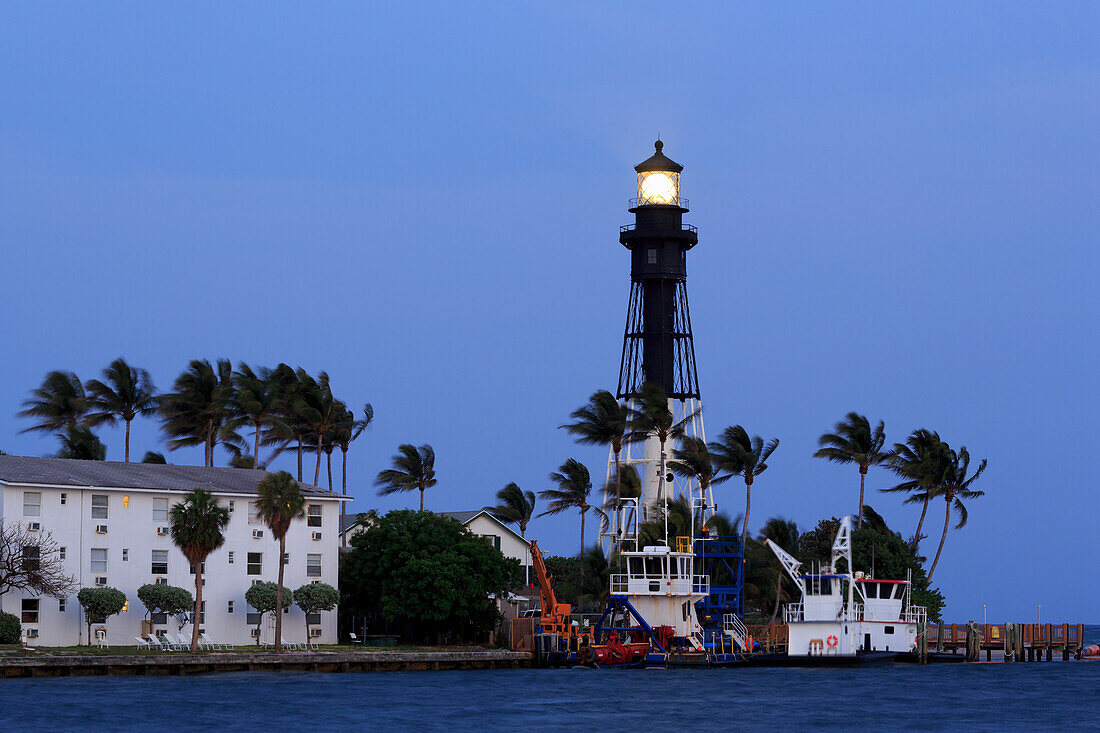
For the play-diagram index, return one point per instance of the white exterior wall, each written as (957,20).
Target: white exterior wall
(510,545)
(131,527)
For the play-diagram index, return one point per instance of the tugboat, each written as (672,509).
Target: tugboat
(847,618)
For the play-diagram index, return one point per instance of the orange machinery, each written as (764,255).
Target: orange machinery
(554,616)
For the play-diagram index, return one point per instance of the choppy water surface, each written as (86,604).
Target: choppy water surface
(973,697)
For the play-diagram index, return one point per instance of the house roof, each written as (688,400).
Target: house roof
(28,471)
(463,518)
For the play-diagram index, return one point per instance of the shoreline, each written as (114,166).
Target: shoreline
(181,663)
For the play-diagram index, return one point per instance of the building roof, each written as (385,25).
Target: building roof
(463,518)
(28,471)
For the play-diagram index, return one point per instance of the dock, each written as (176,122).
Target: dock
(182,663)
(1017,642)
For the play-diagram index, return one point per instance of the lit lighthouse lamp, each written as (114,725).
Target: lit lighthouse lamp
(658,180)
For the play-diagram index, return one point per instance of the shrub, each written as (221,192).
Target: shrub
(9,628)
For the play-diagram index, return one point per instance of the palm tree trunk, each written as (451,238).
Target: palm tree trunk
(862,477)
(943,537)
(778,592)
(198,608)
(299,456)
(317,471)
(344,491)
(618,493)
(127,441)
(583,512)
(748,506)
(923,511)
(256,450)
(328,461)
(421,498)
(279,598)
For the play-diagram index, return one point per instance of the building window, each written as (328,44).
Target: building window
(253,513)
(126,502)
(314,515)
(255,563)
(30,610)
(651,256)
(61,606)
(251,618)
(160,510)
(229,607)
(64,498)
(32,504)
(888,629)
(99,559)
(313,566)
(286,558)
(61,553)
(230,506)
(159,619)
(32,558)
(192,568)
(493,540)
(125,554)
(160,562)
(231,556)
(202,614)
(313,619)
(99,506)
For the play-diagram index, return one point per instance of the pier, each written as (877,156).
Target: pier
(186,664)
(1016,641)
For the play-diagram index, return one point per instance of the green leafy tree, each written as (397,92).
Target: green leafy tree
(515,506)
(921,462)
(855,442)
(58,404)
(783,532)
(79,442)
(736,454)
(166,599)
(154,458)
(413,469)
(10,628)
(605,421)
(265,598)
(314,598)
(574,486)
(198,408)
(125,393)
(99,604)
(424,575)
(280,501)
(954,489)
(197,525)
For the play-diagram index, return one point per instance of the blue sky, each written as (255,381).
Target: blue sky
(896,206)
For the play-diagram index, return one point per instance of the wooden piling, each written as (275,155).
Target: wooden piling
(973,642)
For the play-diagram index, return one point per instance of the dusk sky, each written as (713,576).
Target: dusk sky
(897,209)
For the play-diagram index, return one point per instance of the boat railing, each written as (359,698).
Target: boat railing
(915,615)
(792,612)
(620,584)
(700,584)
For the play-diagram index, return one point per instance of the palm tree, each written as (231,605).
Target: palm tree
(125,393)
(289,427)
(256,401)
(921,461)
(604,420)
(58,404)
(198,408)
(694,461)
(572,492)
(783,532)
(955,488)
(652,416)
(516,506)
(738,455)
(79,442)
(413,468)
(855,442)
(318,410)
(197,526)
(279,502)
(346,430)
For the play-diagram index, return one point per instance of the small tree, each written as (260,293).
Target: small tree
(10,629)
(166,599)
(279,502)
(263,597)
(99,604)
(197,525)
(31,561)
(314,598)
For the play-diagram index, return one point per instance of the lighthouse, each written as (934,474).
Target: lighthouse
(657,341)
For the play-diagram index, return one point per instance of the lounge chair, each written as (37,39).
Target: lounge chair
(155,643)
(167,643)
(25,648)
(142,644)
(211,644)
(292,645)
(184,642)
(354,639)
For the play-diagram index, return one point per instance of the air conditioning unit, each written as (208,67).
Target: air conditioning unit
(36,526)
(316,536)
(163,531)
(101,529)
(164,581)
(257,534)
(32,633)
(255,633)
(100,580)
(315,631)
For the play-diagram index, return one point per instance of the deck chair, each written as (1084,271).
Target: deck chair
(142,644)
(25,648)
(354,639)
(155,643)
(211,644)
(167,643)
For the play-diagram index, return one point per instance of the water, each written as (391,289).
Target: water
(938,697)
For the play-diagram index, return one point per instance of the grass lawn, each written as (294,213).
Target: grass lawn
(68,651)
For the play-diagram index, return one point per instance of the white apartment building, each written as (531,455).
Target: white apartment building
(111,519)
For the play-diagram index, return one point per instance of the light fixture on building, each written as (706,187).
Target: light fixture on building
(658,180)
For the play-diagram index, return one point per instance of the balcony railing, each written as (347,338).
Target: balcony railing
(684,227)
(636,202)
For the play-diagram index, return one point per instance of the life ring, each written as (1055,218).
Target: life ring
(832,640)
